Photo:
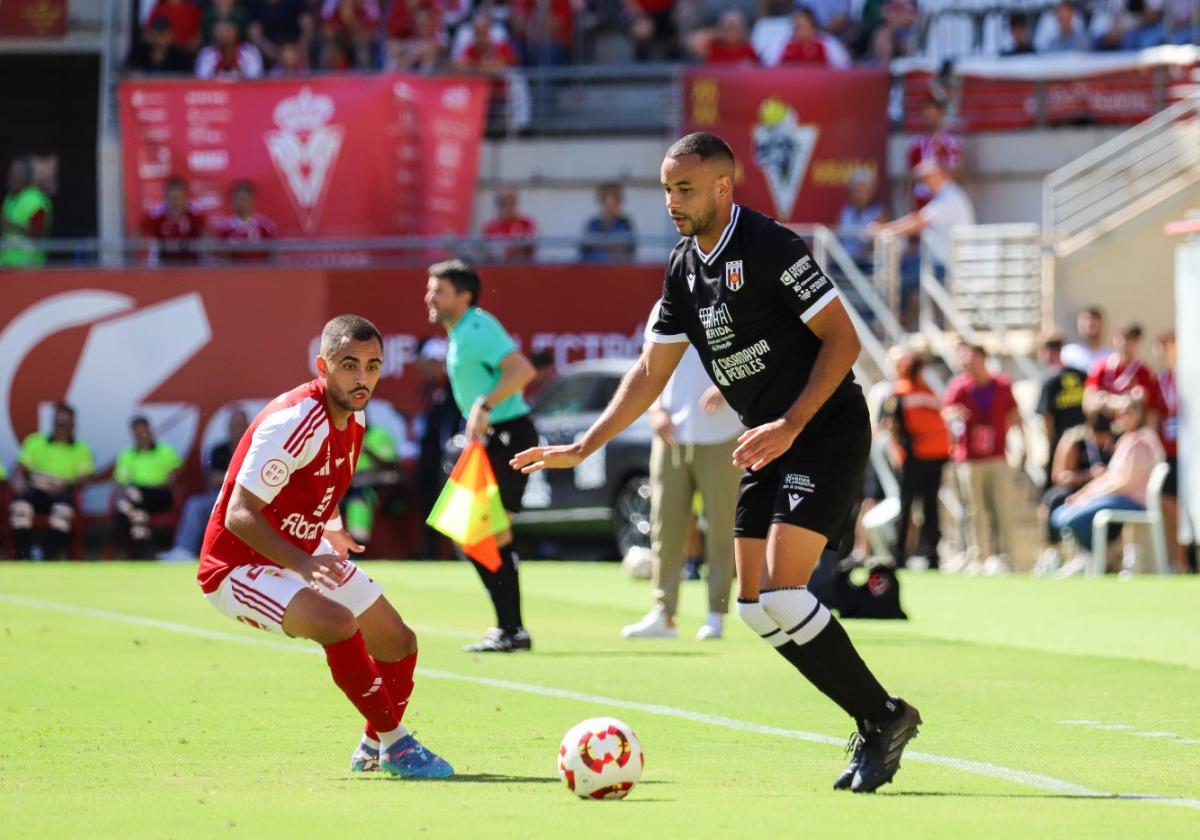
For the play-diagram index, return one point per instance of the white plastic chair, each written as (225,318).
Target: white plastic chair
(1152,516)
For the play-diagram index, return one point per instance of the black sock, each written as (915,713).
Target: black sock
(491,582)
(832,650)
(510,589)
(805,621)
(812,671)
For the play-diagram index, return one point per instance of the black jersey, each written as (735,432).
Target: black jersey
(745,308)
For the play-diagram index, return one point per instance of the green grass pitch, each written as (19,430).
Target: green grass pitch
(130,708)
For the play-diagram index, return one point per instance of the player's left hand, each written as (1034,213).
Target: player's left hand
(761,445)
(546,458)
(343,543)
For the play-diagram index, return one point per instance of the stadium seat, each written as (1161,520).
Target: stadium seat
(1151,516)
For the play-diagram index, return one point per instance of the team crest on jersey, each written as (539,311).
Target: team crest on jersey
(783,148)
(734,275)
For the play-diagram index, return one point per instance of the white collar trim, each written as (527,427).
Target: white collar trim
(707,259)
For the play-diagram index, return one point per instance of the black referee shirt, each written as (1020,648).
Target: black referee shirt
(745,308)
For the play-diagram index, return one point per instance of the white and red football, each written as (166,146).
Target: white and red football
(600,758)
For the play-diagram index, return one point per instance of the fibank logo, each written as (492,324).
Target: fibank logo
(300,528)
(128,354)
(304,150)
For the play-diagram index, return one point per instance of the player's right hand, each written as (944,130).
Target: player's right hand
(323,572)
(660,423)
(546,458)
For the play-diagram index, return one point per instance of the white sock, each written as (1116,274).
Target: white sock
(389,738)
(797,612)
(756,618)
(370,742)
(716,620)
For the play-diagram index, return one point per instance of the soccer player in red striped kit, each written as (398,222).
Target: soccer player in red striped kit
(275,555)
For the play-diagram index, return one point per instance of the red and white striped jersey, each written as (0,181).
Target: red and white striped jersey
(292,458)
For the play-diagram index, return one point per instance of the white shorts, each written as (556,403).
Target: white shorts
(259,595)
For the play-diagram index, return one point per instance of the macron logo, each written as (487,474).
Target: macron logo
(794,500)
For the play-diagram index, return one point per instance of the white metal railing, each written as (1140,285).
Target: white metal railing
(1119,180)
(997,272)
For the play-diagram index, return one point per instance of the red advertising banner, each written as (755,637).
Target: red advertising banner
(183,347)
(331,157)
(33,19)
(799,135)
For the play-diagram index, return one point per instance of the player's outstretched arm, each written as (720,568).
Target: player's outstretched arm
(639,388)
(245,520)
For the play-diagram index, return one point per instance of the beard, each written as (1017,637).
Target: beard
(345,401)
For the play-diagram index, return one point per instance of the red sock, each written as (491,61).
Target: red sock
(356,675)
(398,678)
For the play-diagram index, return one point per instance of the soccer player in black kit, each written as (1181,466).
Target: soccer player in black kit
(772,332)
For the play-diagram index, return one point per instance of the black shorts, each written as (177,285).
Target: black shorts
(1171,485)
(507,439)
(813,485)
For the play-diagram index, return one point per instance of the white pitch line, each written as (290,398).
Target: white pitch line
(980,768)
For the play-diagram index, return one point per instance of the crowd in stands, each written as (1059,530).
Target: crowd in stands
(175,227)
(251,38)
(1109,419)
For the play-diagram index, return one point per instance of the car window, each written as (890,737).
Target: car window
(602,394)
(569,395)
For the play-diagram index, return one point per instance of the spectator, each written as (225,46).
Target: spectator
(981,409)
(1120,374)
(183,16)
(544,30)
(416,43)
(695,433)
(882,48)
(276,24)
(933,143)
(440,420)
(25,218)
(948,208)
(193,517)
(1168,433)
(1181,21)
(290,60)
(145,477)
(246,225)
(174,226)
(1082,454)
(514,235)
(1136,25)
(486,48)
(223,10)
(1021,33)
(378,469)
(900,17)
(1070,37)
(1121,487)
(351,31)
(1060,402)
(652,26)
(806,46)
(609,236)
(1090,348)
(772,31)
(919,453)
(545,372)
(157,53)
(726,43)
(227,57)
(49,471)
(857,216)
(832,16)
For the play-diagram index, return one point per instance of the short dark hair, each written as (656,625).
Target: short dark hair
(1018,19)
(175,181)
(64,408)
(541,359)
(346,328)
(242,184)
(1131,331)
(460,274)
(1053,343)
(1093,310)
(138,418)
(702,144)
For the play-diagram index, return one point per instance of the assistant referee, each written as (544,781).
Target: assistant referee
(487,375)
(772,333)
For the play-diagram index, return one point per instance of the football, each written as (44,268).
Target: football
(600,758)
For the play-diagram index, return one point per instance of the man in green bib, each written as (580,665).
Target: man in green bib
(145,475)
(487,375)
(49,471)
(24,219)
